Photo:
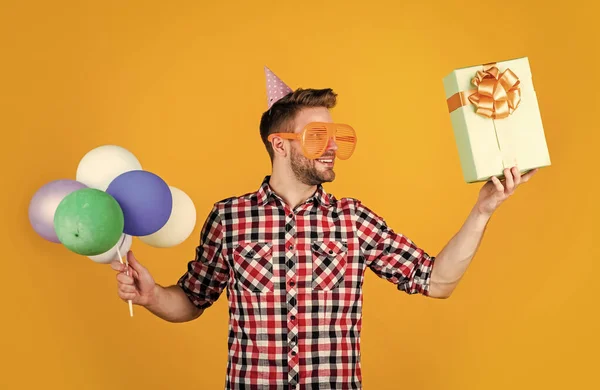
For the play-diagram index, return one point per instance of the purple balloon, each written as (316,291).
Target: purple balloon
(145,199)
(43,205)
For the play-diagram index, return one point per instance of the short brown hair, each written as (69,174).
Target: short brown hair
(280,117)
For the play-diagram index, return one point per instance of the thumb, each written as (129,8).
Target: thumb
(133,263)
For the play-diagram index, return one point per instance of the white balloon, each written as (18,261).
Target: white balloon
(180,225)
(124,245)
(103,164)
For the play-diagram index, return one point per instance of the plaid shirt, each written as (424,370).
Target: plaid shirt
(294,284)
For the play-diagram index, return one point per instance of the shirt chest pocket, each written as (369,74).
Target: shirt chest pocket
(329,264)
(253,266)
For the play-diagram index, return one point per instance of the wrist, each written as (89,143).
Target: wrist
(153,296)
(480,215)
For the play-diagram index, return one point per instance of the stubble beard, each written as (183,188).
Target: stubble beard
(307,172)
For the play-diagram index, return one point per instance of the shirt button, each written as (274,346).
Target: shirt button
(291,247)
(292,283)
(293,318)
(291,215)
(293,353)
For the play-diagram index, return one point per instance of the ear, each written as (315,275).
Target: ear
(280,147)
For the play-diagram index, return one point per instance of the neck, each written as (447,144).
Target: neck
(285,184)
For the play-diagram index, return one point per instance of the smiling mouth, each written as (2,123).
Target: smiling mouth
(327,161)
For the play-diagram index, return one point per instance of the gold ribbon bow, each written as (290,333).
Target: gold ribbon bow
(497,94)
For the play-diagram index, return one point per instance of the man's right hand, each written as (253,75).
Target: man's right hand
(137,286)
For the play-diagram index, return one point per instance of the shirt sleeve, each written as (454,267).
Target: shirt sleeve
(208,274)
(392,256)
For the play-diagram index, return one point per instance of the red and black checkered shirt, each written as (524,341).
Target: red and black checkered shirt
(294,283)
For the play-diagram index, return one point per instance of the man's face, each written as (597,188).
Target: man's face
(307,171)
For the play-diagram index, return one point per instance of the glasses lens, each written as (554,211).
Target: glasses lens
(345,138)
(315,140)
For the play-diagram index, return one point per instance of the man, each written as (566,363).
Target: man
(293,257)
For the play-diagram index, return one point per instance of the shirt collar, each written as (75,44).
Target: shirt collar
(266,193)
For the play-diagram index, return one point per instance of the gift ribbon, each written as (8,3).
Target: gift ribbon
(496,96)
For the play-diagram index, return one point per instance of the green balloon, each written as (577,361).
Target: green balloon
(89,221)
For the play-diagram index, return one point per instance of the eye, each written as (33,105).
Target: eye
(317,136)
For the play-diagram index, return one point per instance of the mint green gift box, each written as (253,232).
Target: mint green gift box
(488,145)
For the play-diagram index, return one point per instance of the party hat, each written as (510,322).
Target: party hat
(276,89)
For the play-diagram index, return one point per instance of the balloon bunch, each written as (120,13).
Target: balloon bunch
(111,200)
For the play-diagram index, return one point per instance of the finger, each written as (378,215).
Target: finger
(125,279)
(510,184)
(131,272)
(517,176)
(125,288)
(528,175)
(497,184)
(134,263)
(117,266)
(126,296)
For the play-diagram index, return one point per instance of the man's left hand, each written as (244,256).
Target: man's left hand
(494,192)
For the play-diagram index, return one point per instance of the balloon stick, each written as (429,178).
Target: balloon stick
(127,263)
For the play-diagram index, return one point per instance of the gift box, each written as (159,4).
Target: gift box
(496,119)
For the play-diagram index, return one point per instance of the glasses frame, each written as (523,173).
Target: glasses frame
(301,136)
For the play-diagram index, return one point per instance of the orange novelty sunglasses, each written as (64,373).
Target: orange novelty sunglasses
(315,137)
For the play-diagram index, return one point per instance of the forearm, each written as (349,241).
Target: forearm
(172,304)
(452,262)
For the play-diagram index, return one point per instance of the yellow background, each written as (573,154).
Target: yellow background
(181,85)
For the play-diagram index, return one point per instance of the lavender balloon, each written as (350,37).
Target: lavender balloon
(145,199)
(43,205)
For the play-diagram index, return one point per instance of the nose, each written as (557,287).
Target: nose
(332,145)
